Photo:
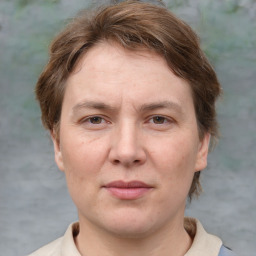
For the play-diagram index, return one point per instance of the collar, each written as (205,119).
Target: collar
(68,246)
(203,243)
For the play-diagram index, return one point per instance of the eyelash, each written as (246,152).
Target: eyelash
(163,118)
(95,119)
(87,122)
(101,122)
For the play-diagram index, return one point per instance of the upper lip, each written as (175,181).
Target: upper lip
(129,184)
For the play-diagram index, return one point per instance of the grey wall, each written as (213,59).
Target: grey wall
(34,204)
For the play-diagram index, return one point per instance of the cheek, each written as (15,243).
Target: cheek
(178,152)
(83,158)
(82,153)
(176,162)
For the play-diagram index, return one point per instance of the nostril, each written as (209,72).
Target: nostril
(116,161)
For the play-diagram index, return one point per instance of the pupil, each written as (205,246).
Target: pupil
(158,120)
(96,120)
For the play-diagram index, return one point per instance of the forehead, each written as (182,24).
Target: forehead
(108,71)
(104,53)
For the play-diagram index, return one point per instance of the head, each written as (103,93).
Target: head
(135,26)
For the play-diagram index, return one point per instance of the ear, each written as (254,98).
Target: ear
(203,149)
(57,151)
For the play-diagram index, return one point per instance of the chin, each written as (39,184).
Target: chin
(129,225)
(130,231)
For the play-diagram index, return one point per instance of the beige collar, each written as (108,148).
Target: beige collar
(203,243)
(68,247)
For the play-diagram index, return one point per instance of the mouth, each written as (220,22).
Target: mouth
(128,190)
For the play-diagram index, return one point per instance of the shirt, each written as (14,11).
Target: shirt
(204,244)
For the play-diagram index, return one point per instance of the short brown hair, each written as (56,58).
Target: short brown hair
(134,25)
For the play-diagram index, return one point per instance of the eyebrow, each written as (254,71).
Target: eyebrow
(143,108)
(161,105)
(92,105)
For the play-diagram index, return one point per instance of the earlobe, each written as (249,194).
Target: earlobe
(202,154)
(57,151)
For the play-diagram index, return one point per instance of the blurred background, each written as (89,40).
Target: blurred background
(35,207)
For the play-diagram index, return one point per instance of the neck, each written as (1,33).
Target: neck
(172,241)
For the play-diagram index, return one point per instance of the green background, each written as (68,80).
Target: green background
(35,207)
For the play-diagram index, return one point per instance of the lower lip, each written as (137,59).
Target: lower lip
(128,193)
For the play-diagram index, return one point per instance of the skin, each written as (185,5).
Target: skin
(126,116)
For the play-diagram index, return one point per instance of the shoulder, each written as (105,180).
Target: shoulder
(51,249)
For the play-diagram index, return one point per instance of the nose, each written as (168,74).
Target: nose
(126,146)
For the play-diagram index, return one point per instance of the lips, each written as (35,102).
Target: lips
(128,190)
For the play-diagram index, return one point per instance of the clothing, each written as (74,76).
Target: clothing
(225,252)
(203,244)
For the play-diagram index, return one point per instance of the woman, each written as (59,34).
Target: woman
(129,99)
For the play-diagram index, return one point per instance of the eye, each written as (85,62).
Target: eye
(159,120)
(160,123)
(95,120)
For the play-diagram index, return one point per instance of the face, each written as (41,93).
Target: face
(128,141)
